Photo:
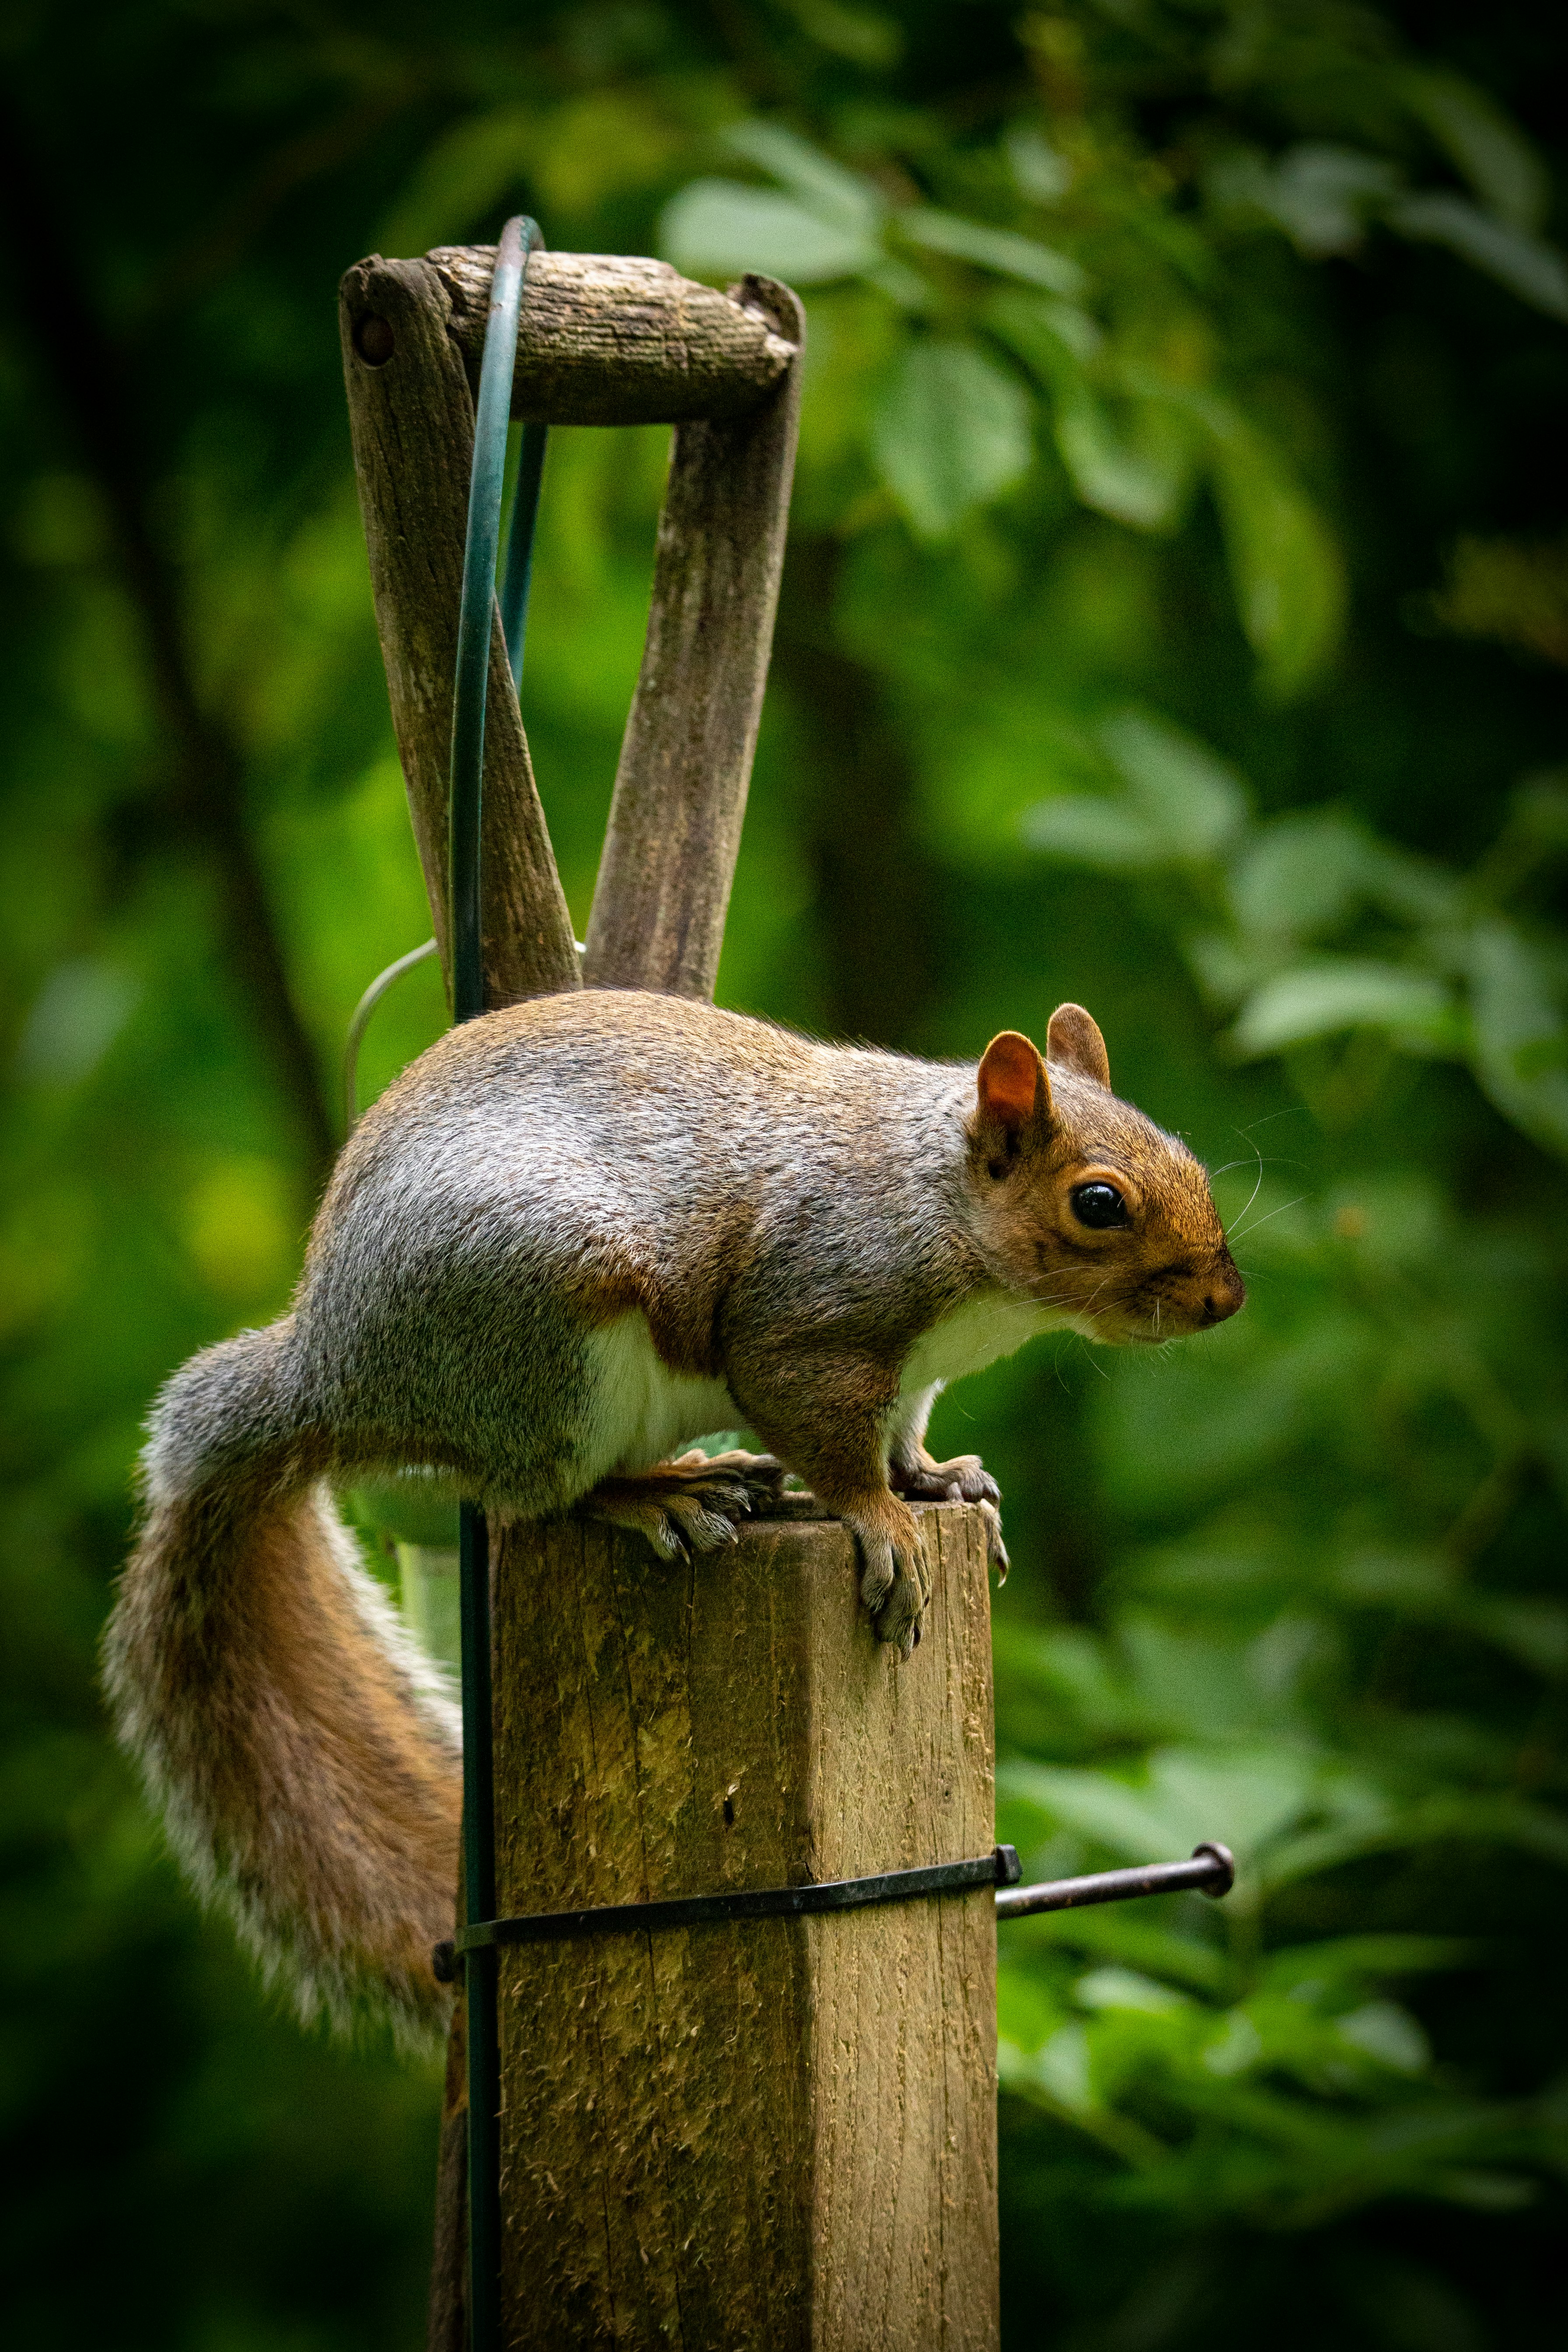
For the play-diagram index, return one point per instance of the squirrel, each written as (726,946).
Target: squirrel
(573,1233)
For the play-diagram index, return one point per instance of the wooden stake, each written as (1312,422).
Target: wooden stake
(686,763)
(413,422)
(778,2134)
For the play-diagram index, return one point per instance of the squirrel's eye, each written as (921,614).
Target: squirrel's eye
(1097,1205)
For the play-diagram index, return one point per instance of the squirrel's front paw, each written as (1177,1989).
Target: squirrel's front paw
(964,1479)
(688,1506)
(895,1581)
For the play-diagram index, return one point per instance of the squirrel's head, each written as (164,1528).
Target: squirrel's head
(1083,1205)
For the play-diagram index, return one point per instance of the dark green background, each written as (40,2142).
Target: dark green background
(1194,650)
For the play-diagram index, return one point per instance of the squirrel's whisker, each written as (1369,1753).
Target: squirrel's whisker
(1259,1223)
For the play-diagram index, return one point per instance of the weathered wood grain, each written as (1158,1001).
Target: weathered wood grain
(413,424)
(674,834)
(772,2134)
(614,338)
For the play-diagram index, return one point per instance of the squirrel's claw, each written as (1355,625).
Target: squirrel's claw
(964,1479)
(995,1550)
(895,1584)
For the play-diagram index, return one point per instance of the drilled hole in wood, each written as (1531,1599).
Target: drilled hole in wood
(374,338)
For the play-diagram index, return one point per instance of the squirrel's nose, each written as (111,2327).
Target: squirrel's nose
(1228,1296)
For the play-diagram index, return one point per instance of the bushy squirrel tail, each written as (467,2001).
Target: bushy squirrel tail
(305,1755)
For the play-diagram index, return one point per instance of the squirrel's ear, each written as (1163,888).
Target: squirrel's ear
(1073,1039)
(1011,1086)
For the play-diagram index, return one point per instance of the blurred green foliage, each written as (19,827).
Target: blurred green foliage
(1174,621)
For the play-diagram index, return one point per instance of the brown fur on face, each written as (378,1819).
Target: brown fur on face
(1043,1129)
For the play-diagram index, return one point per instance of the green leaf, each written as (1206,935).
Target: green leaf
(1487,144)
(1317,1000)
(1000,249)
(720,228)
(1029,2010)
(1537,272)
(1115,1988)
(1448,1818)
(75,1017)
(1126,1934)
(1139,478)
(1383,2031)
(1308,874)
(865,36)
(1301,875)
(1040,171)
(1247,1800)
(1322,196)
(1284,560)
(1044,335)
(1182,804)
(1518,992)
(1085,830)
(824,187)
(1333,1962)
(1195,801)
(1134,463)
(951,430)
(1534,1631)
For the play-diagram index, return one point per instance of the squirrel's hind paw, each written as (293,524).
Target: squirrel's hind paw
(688,1506)
(964,1479)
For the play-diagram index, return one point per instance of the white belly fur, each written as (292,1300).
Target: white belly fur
(642,1410)
(973,1336)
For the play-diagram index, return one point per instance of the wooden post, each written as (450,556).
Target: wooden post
(774,2133)
(769,2133)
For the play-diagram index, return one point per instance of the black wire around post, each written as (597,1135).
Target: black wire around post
(464,904)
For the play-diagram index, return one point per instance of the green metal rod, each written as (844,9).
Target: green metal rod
(465,900)
(518,573)
(361,1021)
(479,1967)
(518,238)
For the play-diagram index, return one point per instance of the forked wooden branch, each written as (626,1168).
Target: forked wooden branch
(603,339)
